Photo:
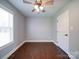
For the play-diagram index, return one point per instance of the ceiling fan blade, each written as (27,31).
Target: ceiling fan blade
(28,2)
(49,2)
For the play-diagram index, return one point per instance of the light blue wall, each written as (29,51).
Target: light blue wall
(19,34)
(74,28)
(41,28)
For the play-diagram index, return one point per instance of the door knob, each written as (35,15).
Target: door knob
(66,34)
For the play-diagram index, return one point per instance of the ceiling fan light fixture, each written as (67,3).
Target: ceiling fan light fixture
(36,7)
(39,5)
(37,10)
(41,8)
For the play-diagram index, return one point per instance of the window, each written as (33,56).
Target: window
(6,27)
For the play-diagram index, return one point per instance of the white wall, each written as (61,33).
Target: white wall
(19,34)
(41,29)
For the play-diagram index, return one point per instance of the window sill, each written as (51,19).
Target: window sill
(5,46)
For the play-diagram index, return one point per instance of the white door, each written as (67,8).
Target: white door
(63,31)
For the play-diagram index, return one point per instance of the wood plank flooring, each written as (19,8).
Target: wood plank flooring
(40,50)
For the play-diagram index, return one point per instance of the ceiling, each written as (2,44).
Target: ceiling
(26,9)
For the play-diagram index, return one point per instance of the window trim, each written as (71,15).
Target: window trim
(6,8)
(10,43)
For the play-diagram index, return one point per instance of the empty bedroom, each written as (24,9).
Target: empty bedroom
(39,29)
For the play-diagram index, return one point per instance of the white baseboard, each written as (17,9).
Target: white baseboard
(75,54)
(71,56)
(12,51)
(41,41)
(38,40)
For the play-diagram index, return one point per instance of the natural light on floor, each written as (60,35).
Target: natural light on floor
(6,27)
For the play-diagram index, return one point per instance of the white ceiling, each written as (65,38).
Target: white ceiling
(26,9)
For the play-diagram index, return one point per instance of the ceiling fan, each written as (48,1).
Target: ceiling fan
(39,4)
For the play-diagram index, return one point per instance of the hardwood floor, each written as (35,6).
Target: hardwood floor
(40,50)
